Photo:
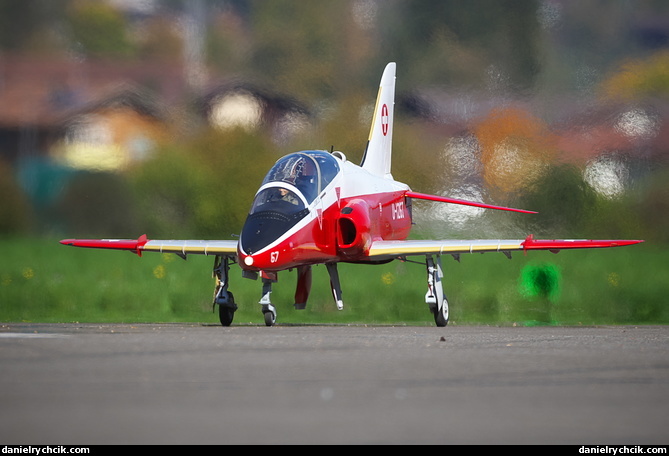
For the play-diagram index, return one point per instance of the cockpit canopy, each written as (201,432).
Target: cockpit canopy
(309,171)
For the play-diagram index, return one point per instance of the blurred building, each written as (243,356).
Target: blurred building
(51,107)
(113,132)
(244,105)
(105,115)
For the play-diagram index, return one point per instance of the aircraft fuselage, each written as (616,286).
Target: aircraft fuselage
(315,207)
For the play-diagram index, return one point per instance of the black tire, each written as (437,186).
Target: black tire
(270,318)
(441,317)
(226,313)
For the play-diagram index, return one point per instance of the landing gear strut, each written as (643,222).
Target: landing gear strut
(222,297)
(435,297)
(268,310)
(335,285)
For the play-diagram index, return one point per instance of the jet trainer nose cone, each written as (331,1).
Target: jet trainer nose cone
(284,201)
(269,219)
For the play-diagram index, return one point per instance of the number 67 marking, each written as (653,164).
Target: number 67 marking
(274,257)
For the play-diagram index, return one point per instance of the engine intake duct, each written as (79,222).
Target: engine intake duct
(353,226)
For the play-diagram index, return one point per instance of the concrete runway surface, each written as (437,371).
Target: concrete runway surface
(84,384)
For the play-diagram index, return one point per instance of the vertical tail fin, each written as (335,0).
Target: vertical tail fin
(377,158)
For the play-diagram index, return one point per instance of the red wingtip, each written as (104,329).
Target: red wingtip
(134,246)
(555,245)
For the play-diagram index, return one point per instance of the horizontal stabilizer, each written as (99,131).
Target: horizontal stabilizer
(444,199)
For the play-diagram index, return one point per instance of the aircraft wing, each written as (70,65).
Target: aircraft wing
(179,247)
(381,250)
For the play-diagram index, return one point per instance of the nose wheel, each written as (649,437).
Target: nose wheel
(268,310)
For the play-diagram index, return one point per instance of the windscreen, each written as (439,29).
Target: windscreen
(309,171)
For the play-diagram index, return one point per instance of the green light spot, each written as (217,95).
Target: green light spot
(540,281)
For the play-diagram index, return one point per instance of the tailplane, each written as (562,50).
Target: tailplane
(377,158)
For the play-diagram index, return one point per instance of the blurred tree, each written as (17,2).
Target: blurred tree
(15,210)
(203,186)
(648,213)
(479,42)
(31,25)
(597,33)
(97,204)
(639,78)
(302,46)
(566,203)
(229,41)
(160,40)
(99,29)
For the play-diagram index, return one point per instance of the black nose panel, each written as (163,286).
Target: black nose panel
(263,228)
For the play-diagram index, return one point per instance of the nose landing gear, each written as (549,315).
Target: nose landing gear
(268,310)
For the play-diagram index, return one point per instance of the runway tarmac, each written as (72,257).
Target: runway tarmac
(85,384)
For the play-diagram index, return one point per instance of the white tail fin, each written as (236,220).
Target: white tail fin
(377,158)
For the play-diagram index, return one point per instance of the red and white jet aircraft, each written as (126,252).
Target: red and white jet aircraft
(316,207)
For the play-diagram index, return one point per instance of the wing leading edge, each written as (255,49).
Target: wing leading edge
(179,247)
(394,249)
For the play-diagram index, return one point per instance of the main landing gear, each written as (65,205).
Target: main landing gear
(435,297)
(222,297)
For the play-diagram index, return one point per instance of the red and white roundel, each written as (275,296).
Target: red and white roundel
(384,119)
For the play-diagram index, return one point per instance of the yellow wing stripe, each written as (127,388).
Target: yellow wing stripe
(192,247)
(401,248)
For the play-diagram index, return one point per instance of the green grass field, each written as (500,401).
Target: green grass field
(43,281)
